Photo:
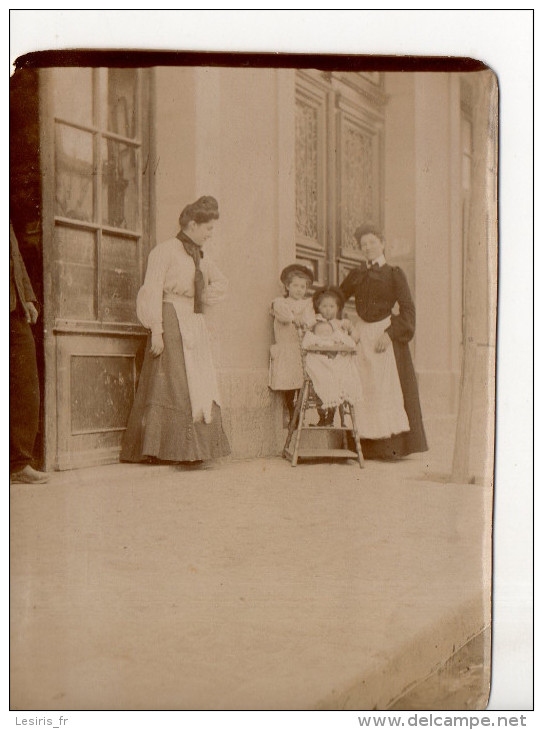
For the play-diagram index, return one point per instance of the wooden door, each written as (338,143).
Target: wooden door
(95,148)
(339,161)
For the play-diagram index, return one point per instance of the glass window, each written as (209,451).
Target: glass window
(98,187)
(120,278)
(120,102)
(74,173)
(72,95)
(120,198)
(76,251)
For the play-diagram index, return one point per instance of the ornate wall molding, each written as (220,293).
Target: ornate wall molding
(371,91)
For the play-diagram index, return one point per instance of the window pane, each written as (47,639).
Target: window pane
(76,252)
(72,94)
(119,102)
(73,173)
(120,279)
(120,204)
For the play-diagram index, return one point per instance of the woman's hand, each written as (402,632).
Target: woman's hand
(157,344)
(383,342)
(32,316)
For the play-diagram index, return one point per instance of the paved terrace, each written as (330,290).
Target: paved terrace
(252,586)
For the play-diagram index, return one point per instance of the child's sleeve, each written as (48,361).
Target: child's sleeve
(309,318)
(346,325)
(349,332)
(341,334)
(355,336)
(349,341)
(281,311)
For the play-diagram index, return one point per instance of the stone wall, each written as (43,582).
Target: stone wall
(423,223)
(230,133)
(220,133)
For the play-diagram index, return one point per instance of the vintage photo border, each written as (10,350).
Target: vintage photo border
(509,60)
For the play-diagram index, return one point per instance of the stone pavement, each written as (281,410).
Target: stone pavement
(462,683)
(251,586)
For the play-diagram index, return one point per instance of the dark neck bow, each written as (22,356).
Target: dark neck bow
(372,271)
(196,253)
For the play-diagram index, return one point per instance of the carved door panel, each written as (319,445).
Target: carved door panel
(313,96)
(95,148)
(339,139)
(358,144)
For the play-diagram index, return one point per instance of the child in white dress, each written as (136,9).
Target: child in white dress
(333,373)
(293,309)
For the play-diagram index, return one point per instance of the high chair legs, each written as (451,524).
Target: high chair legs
(302,401)
(297,424)
(356,435)
(342,422)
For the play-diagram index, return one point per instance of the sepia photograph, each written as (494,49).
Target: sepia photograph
(253,315)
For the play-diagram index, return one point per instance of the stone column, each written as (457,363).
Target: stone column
(477,384)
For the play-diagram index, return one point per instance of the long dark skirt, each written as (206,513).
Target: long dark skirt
(160,423)
(414,440)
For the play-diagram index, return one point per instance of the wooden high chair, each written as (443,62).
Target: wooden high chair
(306,400)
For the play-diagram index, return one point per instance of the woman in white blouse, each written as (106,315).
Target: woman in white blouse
(176,414)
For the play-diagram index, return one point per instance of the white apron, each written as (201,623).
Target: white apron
(380,413)
(201,376)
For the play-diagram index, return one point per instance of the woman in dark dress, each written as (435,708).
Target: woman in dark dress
(389,417)
(176,414)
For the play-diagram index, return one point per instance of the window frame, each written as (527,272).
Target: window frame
(140,235)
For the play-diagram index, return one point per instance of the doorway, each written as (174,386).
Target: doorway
(339,163)
(25,207)
(80,200)
(96,189)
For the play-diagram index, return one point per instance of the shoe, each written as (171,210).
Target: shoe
(28,475)
(194,465)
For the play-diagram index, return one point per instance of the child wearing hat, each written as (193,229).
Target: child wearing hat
(292,309)
(333,373)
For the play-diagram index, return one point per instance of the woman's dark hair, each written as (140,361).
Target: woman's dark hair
(203,210)
(366,228)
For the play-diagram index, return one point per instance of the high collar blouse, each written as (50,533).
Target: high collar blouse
(376,290)
(170,273)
